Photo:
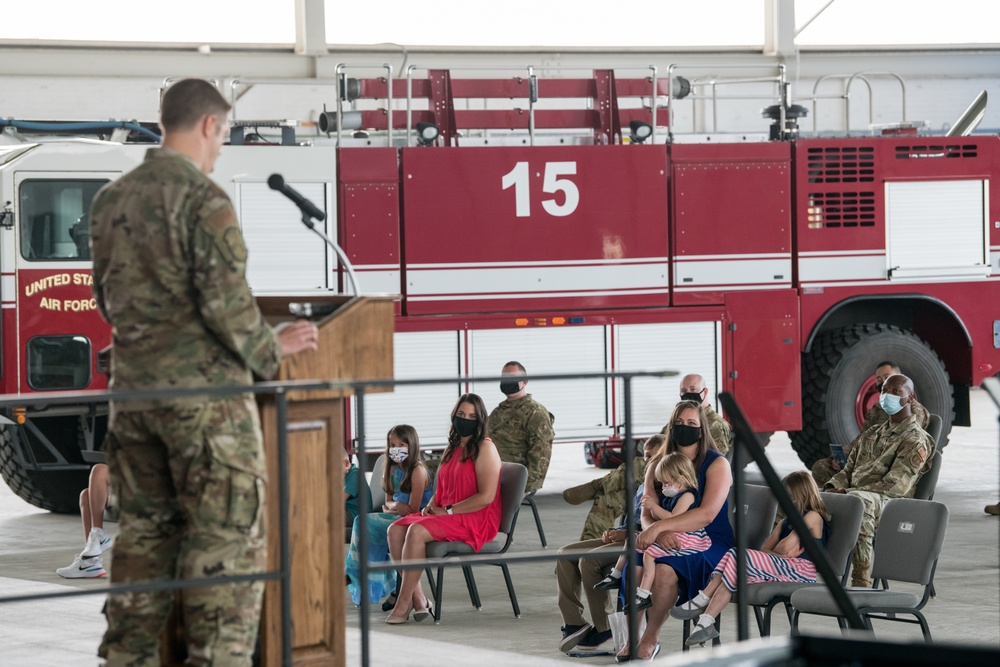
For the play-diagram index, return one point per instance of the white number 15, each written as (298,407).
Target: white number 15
(519,178)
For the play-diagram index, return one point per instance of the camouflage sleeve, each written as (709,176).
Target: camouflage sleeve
(722,433)
(540,436)
(224,299)
(904,472)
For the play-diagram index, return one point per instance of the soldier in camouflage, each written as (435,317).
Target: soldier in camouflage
(521,427)
(169,276)
(824,469)
(693,388)
(885,462)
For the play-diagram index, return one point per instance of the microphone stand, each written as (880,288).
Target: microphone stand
(307,220)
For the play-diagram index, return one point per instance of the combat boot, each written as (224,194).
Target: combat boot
(582,493)
(861,577)
(992,509)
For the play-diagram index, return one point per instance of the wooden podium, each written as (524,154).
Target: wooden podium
(355,342)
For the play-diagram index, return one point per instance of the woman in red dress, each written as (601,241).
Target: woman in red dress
(465,506)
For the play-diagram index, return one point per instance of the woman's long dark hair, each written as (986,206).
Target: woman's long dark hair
(705,441)
(471,450)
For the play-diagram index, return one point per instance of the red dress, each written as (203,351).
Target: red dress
(456,481)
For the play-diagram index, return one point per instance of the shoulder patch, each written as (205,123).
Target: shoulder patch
(918,457)
(233,245)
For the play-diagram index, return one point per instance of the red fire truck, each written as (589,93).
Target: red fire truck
(565,223)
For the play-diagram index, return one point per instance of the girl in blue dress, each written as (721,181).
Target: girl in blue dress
(407,482)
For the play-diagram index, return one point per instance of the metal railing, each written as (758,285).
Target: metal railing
(744,440)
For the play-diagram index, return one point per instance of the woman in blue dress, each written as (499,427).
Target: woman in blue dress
(407,482)
(681,574)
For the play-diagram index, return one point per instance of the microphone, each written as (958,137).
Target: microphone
(277,182)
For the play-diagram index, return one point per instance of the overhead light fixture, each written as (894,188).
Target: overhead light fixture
(427,133)
(639,131)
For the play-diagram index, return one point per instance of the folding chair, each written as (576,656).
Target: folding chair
(908,543)
(845,523)
(759,511)
(513,478)
(529,500)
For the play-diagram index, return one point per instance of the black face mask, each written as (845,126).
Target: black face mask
(878,387)
(683,435)
(509,388)
(464,427)
(691,396)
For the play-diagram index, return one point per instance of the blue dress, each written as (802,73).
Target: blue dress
(380,584)
(694,570)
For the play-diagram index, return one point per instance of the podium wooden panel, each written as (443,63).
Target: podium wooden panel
(355,342)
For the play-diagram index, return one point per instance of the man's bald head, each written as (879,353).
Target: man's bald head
(693,386)
(901,387)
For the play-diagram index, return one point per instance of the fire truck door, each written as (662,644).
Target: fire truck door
(59,327)
(762,365)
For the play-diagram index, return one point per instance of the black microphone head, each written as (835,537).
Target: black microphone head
(275,181)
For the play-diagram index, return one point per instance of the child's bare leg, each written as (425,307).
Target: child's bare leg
(648,572)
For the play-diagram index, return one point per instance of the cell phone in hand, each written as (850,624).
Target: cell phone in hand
(837,451)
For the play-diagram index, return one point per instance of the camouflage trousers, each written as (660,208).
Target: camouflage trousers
(822,471)
(190,485)
(574,575)
(862,559)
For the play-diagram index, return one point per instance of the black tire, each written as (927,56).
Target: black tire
(54,490)
(839,363)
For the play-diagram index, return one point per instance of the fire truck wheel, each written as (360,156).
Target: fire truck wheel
(57,491)
(836,369)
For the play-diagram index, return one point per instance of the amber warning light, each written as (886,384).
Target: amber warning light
(19,415)
(541,321)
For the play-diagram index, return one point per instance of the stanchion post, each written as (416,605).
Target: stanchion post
(283,505)
(633,617)
(359,397)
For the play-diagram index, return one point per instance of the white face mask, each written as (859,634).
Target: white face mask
(398,454)
(670,491)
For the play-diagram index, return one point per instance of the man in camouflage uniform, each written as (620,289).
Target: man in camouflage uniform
(169,265)
(521,427)
(693,388)
(824,469)
(885,462)
(572,576)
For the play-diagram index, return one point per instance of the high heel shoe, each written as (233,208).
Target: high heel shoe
(392,619)
(420,615)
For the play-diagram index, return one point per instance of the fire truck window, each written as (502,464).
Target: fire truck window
(54,216)
(58,362)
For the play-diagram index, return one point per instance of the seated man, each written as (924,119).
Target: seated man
(693,388)
(88,564)
(826,468)
(572,576)
(885,462)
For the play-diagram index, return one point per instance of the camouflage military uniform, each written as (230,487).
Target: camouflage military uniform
(169,275)
(823,471)
(720,429)
(522,431)
(609,500)
(885,462)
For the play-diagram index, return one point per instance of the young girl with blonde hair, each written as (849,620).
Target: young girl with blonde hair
(781,559)
(679,492)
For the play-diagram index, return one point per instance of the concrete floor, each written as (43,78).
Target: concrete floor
(966,611)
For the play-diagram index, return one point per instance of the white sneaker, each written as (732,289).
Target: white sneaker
(97,543)
(83,568)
